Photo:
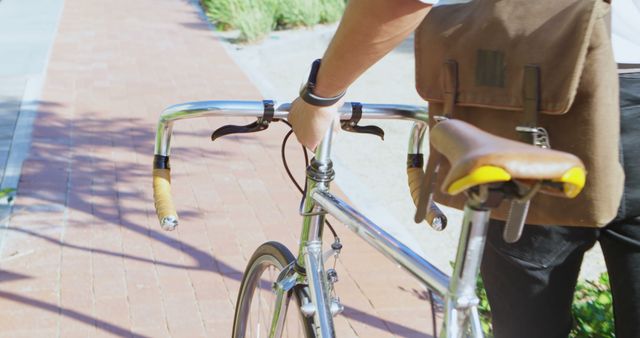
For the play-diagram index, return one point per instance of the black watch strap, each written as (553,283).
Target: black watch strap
(307,91)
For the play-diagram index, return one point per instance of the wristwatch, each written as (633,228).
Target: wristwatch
(307,91)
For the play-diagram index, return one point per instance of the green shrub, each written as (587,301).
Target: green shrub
(484,310)
(331,10)
(254,23)
(6,192)
(255,18)
(294,13)
(219,12)
(592,309)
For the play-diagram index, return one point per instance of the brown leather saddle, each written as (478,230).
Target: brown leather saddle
(477,157)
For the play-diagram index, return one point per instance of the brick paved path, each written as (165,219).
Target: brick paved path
(83,255)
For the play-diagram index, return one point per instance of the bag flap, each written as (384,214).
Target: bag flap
(493,40)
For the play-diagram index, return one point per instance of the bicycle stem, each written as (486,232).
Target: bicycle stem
(319,175)
(323,151)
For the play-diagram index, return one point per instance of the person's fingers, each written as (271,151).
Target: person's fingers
(310,123)
(320,123)
(303,128)
(306,136)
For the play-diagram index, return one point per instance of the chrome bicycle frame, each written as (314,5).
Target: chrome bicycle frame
(461,315)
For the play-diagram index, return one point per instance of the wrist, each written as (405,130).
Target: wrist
(325,87)
(321,97)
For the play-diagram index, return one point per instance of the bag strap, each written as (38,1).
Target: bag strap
(449,86)
(529,130)
(531,102)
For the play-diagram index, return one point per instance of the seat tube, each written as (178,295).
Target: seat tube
(462,302)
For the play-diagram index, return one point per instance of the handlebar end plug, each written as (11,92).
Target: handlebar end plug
(169,223)
(439,223)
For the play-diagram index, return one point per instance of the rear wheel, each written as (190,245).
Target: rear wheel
(256,298)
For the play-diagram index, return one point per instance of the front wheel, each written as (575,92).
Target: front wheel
(256,298)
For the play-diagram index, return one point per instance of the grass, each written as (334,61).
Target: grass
(254,19)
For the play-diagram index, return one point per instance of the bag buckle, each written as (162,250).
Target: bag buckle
(539,136)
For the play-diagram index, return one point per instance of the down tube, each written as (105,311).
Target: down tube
(384,242)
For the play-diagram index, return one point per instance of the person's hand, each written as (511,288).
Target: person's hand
(310,122)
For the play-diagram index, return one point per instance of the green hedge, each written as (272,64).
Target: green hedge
(255,18)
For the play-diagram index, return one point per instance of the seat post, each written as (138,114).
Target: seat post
(463,301)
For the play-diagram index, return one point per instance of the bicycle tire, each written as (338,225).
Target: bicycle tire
(270,254)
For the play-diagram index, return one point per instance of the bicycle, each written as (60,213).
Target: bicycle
(483,166)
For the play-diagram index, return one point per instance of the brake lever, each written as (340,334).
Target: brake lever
(259,125)
(351,125)
(231,129)
(373,130)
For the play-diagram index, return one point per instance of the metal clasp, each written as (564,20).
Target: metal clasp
(539,135)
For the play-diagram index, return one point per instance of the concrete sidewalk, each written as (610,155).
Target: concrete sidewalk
(27,30)
(83,255)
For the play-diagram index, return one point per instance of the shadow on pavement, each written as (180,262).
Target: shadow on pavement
(54,309)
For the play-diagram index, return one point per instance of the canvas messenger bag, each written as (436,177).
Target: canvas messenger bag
(545,66)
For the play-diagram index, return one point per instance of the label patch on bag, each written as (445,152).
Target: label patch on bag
(490,68)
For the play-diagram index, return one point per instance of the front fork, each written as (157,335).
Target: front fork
(317,284)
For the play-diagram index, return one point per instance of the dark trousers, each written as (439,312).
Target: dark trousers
(530,283)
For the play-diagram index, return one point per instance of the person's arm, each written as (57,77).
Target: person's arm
(369,30)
